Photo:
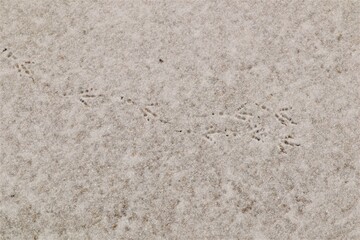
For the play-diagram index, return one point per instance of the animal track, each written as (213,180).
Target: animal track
(86,96)
(253,121)
(242,114)
(89,96)
(148,113)
(22,67)
(151,114)
(258,133)
(287,142)
(210,131)
(283,118)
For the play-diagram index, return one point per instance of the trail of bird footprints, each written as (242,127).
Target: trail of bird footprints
(22,67)
(91,97)
(248,120)
(253,122)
